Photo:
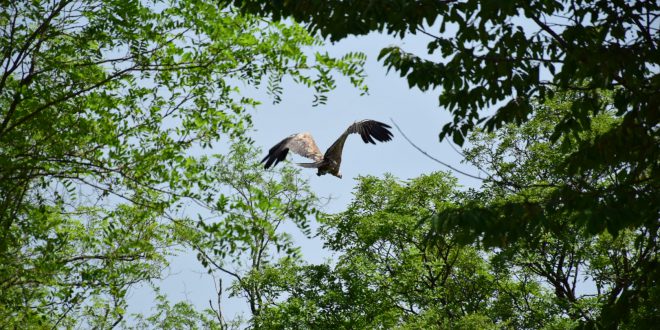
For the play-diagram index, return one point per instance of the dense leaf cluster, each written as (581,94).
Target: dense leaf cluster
(105,110)
(510,55)
(109,111)
(390,273)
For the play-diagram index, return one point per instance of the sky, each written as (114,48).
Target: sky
(417,114)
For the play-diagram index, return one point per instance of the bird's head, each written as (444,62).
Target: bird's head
(338,174)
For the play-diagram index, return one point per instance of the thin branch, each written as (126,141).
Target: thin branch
(644,32)
(128,257)
(120,318)
(66,97)
(431,157)
(554,34)
(218,313)
(217,266)
(451,144)
(71,306)
(22,52)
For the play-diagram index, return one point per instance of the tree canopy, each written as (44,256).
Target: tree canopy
(509,56)
(123,141)
(109,110)
(390,273)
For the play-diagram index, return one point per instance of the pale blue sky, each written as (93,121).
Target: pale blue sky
(389,96)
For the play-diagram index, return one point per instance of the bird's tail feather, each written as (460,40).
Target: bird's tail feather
(309,165)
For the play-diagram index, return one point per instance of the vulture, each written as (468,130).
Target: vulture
(303,144)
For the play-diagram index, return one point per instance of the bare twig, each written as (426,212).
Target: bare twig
(218,312)
(433,158)
(456,149)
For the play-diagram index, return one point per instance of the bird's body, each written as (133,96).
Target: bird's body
(303,144)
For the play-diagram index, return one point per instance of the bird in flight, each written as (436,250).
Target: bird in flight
(303,144)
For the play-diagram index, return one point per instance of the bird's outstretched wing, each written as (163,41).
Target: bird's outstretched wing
(302,144)
(368,130)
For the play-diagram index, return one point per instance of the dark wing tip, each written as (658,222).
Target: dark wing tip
(276,154)
(372,129)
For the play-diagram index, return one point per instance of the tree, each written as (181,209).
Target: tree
(247,236)
(393,271)
(564,253)
(388,275)
(107,108)
(180,315)
(511,55)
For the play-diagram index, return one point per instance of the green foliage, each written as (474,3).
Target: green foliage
(255,205)
(107,110)
(513,57)
(388,275)
(496,50)
(558,227)
(247,236)
(534,171)
(181,315)
(498,257)
(110,110)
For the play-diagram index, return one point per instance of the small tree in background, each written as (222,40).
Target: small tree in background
(248,237)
